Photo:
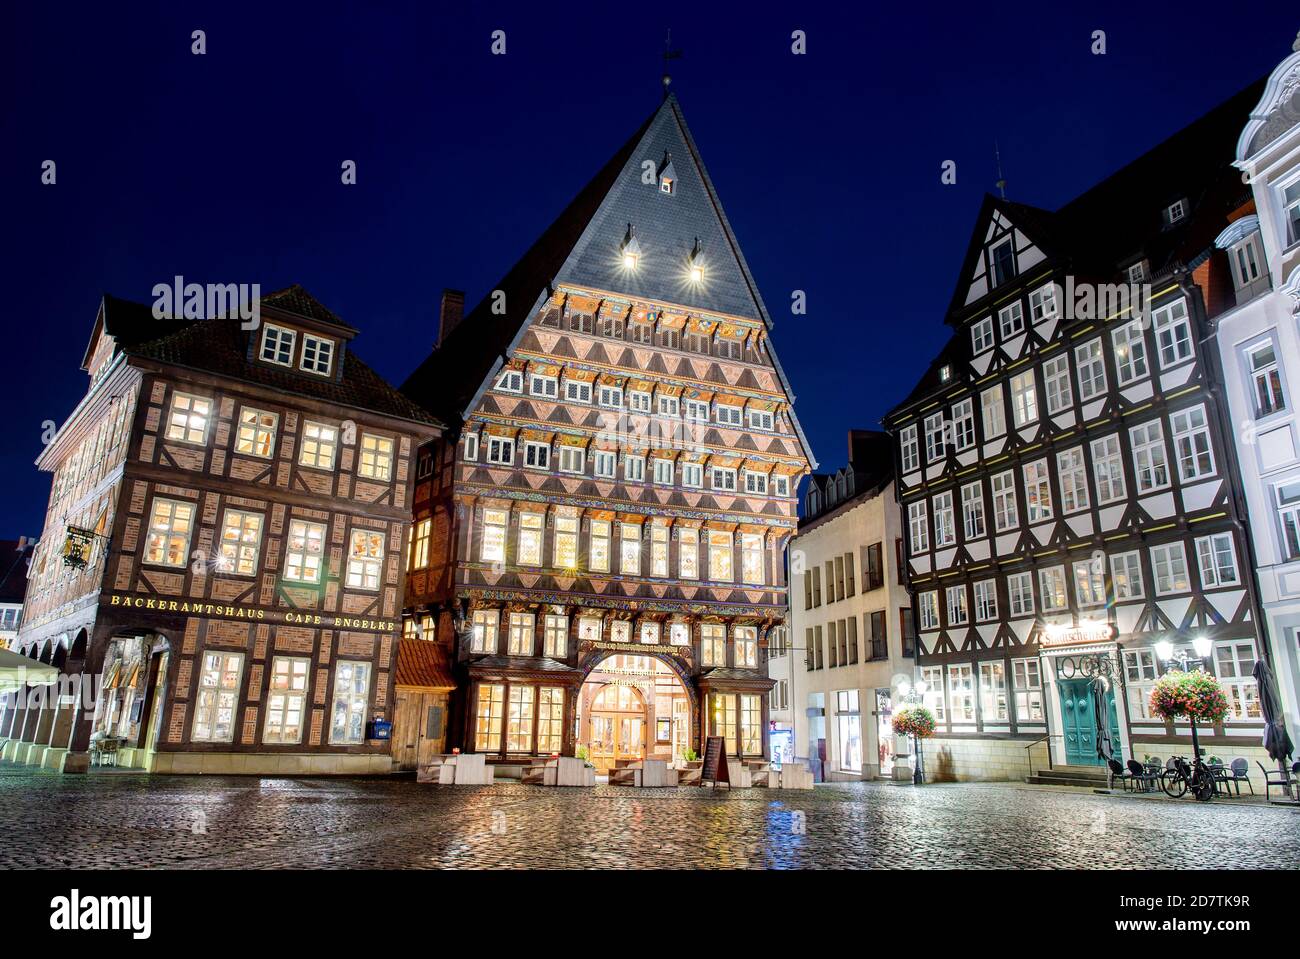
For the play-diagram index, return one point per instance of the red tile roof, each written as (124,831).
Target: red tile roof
(422,665)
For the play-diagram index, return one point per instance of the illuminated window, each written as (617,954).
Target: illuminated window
(747,646)
(658,550)
(722,708)
(599,546)
(256,436)
(493,549)
(488,716)
(530,539)
(218,696)
(519,639)
(720,559)
(286,700)
(751,724)
(419,550)
(277,345)
(170,527)
(629,549)
(483,632)
(319,443)
(555,638)
(713,644)
(365,559)
(306,545)
(550,719)
(188,419)
(751,558)
(566,542)
(688,552)
(376,457)
(241,541)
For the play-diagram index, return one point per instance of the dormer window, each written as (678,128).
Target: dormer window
(317,354)
(277,345)
(1002,259)
(665,185)
(1137,272)
(1176,211)
(945,373)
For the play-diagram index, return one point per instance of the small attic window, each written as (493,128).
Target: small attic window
(1137,272)
(665,185)
(1002,259)
(1176,211)
(945,373)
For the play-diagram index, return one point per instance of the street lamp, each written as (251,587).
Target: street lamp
(914,694)
(1180,658)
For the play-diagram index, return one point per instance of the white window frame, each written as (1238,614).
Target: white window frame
(217,694)
(981,334)
(945,521)
(1150,459)
(1011,320)
(501,450)
(1130,345)
(1072,475)
(1043,304)
(353,702)
(282,338)
(1024,398)
(161,538)
(286,694)
(1126,574)
(365,569)
(972,511)
(1005,512)
(986,600)
(693,475)
(1090,364)
(1089,582)
(1108,469)
(918,526)
(994,412)
(963,424)
(298,561)
(1020,594)
(928,609)
(1053,590)
(606,464)
(511,381)
(183,411)
(317,439)
(956,605)
(1038,491)
(537,455)
(1192,443)
(542,385)
(1173,329)
(909,448)
(241,556)
(1056,383)
(317,355)
(572,459)
(1216,555)
(1172,558)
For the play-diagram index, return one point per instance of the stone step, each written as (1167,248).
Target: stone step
(1069,776)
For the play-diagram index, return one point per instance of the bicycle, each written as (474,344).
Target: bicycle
(1198,778)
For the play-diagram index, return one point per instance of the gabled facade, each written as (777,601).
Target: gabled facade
(1065,475)
(851,618)
(1258,260)
(614,506)
(219,579)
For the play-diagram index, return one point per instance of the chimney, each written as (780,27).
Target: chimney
(450,313)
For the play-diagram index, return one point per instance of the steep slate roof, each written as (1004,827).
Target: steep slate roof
(582,248)
(219,346)
(1120,219)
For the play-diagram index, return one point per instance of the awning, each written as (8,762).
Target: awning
(17,671)
(422,665)
(113,675)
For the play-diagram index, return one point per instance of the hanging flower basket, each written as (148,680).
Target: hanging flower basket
(914,721)
(1196,695)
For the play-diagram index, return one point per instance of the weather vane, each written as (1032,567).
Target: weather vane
(669,54)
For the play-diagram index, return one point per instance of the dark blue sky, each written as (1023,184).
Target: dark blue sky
(225,167)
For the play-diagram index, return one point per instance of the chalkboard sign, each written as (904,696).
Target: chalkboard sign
(715,764)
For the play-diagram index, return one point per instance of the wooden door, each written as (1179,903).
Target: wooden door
(617,727)
(1080,721)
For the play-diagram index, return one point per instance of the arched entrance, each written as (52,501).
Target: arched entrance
(633,707)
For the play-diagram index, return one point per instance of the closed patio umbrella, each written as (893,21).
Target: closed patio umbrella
(1276,739)
(1101,713)
(17,671)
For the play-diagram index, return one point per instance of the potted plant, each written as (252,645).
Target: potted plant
(918,722)
(582,753)
(1195,695)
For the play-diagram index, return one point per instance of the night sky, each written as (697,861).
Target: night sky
(225,168)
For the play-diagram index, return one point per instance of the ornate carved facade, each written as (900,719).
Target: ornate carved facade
(623,476)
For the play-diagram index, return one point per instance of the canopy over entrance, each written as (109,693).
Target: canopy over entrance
(17,671)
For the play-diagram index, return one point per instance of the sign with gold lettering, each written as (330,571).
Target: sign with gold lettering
(256,614)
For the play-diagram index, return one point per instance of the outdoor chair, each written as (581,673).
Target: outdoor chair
(1274,777)
(1239,772)
(1140,777)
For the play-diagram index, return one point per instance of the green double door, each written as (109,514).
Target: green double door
(1079,719)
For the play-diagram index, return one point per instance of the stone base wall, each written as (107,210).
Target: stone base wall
(265,764)
(981,760)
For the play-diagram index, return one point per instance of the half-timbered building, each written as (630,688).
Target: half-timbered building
(598,548)
(1066,476)
(220,575)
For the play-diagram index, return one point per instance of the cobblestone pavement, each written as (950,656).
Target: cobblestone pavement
(122,820)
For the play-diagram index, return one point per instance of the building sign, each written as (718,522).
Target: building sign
(256,614)
(1089,631)
(640,649)
(76,548)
